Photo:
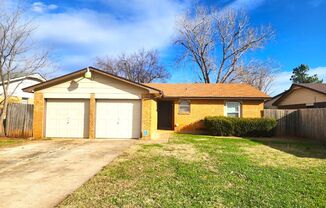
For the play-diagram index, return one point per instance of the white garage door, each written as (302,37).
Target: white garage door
(67,118)
(118,118)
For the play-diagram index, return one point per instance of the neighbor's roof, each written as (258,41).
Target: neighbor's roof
(81,72)
(317,87)
(270,103)
(201,90)
(36,76)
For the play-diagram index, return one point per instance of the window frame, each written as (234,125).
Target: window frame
(179,107)
(226,108)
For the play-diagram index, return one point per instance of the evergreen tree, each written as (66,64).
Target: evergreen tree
(300,75)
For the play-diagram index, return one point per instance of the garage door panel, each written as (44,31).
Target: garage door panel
(118,119)
(67,118)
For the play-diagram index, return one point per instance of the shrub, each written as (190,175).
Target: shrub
(225,126)
(218,126)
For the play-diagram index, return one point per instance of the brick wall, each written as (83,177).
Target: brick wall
(146,118)
(199,109)
(252,109)
(92,115)
(153,118)
(38,120)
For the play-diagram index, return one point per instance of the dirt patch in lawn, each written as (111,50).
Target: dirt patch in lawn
(183,152)
(127,154)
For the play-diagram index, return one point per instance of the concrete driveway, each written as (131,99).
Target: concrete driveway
(41,174)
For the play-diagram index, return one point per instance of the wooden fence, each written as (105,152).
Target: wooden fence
(306,123)
(19,120)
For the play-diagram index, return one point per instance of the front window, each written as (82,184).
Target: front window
(232,109)
(184,107)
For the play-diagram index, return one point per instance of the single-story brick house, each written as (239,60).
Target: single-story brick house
(107,106)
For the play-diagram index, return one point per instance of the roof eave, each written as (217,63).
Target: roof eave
(78,73)
(215,97)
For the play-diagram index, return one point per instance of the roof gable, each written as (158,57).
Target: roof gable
(36,77)
(80,73)
(316,87)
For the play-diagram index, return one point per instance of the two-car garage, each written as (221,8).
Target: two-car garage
(100,105)
(115,118)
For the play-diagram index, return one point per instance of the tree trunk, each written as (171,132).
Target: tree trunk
(2,128)
(2,117)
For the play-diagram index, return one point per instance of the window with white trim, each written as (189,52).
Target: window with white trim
(184,106)
(232,109)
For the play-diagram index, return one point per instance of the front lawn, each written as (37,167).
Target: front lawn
(205,171)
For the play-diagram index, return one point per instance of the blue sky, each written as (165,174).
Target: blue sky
(77,31)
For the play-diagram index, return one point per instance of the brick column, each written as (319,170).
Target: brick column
(92,113)
(146,118)
(38,119)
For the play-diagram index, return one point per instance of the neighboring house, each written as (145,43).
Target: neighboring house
(269,103)
(308,95)
(107,106)
(16,85)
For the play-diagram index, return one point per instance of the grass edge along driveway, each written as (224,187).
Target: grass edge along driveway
(205,171)
(7,142)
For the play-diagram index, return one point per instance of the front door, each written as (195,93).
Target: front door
(165,115)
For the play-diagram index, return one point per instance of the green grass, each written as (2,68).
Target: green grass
(10,142)
(204,171)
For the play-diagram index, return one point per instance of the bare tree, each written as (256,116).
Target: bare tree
(217,41)
(141,67)
(16,53)
(258,74)
(196,36)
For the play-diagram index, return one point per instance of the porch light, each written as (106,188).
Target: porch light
(88,74)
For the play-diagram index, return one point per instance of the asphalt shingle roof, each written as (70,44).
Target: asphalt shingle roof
(209,90)
(320,87)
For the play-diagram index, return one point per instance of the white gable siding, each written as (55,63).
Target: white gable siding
(103,87)
(17,86)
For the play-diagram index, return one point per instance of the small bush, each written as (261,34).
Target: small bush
(225,126)
(218,126)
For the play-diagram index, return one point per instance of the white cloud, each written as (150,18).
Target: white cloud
(246,4)
(127,26)
(40,7)
(282,81)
